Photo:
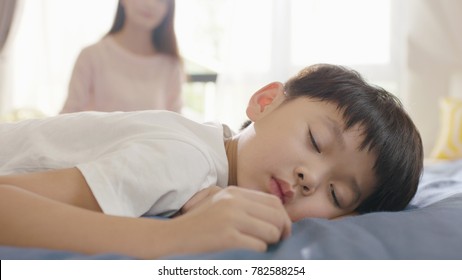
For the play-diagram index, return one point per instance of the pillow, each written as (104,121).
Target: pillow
(430,228)
(449,142)
(429,233)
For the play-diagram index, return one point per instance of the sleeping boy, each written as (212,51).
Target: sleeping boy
(325,144)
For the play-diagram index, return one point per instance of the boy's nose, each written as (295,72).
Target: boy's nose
(307,181)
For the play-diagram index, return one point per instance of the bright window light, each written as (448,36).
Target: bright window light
(350,32)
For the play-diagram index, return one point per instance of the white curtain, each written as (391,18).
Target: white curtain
(8,10)
(48,36)
(433,61)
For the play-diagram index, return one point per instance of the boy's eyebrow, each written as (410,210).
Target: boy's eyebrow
(335,129)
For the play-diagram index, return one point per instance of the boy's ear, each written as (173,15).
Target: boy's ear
(264,100)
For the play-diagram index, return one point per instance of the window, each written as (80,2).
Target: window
(246,42)
(354,32)
(252,42)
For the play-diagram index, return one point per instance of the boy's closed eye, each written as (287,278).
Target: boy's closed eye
(334,196)
(313,141)
(331,186)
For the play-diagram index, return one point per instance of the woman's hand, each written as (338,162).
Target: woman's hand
(231,218)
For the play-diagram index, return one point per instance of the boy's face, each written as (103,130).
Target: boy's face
(299,152)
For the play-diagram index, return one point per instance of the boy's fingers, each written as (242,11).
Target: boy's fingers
(266,207)
(274,215)
(260,229)
(253,214)
(241,219)
(253,195)
(250,242)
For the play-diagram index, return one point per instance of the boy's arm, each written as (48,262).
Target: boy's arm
(31,220)
(198,198)
(33,215)
(65,185)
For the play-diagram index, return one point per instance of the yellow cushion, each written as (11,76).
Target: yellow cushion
(449,142)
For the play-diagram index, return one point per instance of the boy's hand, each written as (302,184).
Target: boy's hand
(232,218)
(199,197)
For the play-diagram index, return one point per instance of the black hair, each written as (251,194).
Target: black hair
(388,130)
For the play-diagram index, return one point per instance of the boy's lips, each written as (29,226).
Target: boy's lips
(280,189)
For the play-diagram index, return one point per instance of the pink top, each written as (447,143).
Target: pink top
(107,78)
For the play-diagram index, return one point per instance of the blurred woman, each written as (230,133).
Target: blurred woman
(136,66)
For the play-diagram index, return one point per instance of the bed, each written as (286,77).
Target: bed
(430,228)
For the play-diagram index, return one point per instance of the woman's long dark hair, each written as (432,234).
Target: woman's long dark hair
(163,37)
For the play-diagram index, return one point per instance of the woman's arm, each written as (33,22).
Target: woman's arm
(80,85)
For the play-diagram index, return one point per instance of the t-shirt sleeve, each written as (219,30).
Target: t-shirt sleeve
(143,178)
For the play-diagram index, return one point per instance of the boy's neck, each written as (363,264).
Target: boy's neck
(231,154)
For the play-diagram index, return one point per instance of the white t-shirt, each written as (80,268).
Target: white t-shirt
(136,163)
(108,78)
